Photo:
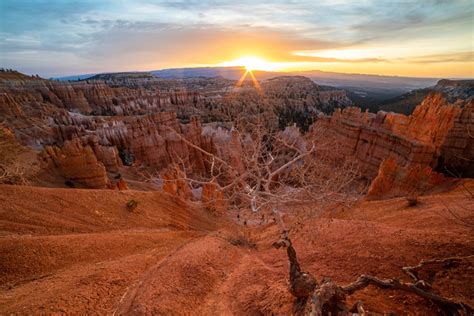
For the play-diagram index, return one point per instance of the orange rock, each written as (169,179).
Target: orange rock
(213,198)
(78,163)
(174,183)
(122,185)
(434,130)
(394,181)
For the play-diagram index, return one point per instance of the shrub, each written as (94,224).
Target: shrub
(132,205)
(412,201)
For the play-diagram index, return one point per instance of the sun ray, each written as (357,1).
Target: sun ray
(241,80)
(255,81)
(250,63)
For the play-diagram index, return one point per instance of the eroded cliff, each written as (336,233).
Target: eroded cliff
(436,135)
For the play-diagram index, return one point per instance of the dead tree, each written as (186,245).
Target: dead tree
(302,284)
(329,298)
(274,168)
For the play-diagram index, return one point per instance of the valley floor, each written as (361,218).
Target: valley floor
(82,252)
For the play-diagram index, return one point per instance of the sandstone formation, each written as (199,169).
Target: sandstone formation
(393,180)
(122,185)
(174,182)
(213,198)
(77,163)
(138,119)
(457,150)
(433,136)
(145,121)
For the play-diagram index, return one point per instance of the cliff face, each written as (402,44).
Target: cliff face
(457,150)
(434,136)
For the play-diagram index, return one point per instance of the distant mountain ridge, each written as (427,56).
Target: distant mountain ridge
(322,77)
(452,90)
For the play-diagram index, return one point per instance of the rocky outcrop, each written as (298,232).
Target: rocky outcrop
(213,199)
(431,132)
(394,181)
(77,162)
(107,155)
(174,182)
(226,145)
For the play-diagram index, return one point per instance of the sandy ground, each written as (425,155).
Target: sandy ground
(82,252)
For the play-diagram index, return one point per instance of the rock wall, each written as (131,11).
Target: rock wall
(457,150)
(435,129)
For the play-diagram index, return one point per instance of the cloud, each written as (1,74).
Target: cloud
(108,35)
(442,58)
(197,44)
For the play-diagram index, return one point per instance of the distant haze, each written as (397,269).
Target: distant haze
(321,77)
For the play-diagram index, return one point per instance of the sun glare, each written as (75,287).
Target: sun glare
(252,63)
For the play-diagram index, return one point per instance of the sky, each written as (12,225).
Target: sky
(421,38)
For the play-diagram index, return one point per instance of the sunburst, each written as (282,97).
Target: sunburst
(251,64)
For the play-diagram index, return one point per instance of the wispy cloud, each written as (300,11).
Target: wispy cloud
(442,58)
(89,35)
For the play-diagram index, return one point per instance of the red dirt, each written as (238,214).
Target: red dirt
(82,252)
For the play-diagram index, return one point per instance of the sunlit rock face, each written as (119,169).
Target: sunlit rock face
(457,150)
(435,135)
(393,180)
(77,162)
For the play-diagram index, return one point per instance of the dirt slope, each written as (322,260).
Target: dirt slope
(81,251)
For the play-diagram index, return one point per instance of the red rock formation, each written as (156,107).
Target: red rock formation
(122,185)
(9,106)
(410,140)
(107,155)
(393,180)
(457,150)
(225,144)
(174,183)
(125,116)
(213,199)
(78,163)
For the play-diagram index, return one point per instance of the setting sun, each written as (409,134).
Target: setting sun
(252,63)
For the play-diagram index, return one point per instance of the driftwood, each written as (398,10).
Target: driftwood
(328,298)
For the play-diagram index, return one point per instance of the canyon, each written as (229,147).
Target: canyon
(112,117)
(100,124)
